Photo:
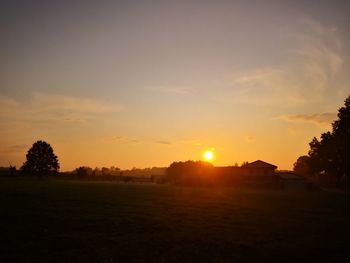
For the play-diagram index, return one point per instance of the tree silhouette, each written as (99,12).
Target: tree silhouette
(189,172)
(301,166)
(41,160)
(83,171)
(330,155)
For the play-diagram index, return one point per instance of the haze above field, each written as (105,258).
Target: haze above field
(145,83)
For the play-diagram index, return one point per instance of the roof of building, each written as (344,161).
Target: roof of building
(259,164)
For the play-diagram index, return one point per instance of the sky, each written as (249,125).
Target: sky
(145,83)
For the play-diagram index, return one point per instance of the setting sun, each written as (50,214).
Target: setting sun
(208,155)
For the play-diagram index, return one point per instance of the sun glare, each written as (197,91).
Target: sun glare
(208,155)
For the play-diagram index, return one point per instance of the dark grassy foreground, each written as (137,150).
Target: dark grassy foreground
(62,221)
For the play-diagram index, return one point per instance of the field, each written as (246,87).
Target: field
(72,221)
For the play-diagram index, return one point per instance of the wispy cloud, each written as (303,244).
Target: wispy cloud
(312,62)
(46,108)
(318,118)
(17,148)
(249,139)
(163,142)
(175,142)
(125,139)
(180,90)
(121,139)
(45,101)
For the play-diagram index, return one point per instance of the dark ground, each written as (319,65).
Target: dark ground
(72,221)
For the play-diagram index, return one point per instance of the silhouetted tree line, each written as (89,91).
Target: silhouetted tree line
(201,173)
(41,161)
(8,171)
(189,173)
(116,174)
(85,171)
(328,159)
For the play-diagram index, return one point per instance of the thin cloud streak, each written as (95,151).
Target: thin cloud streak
(13,149)
(43,108)
(249,139)
(313,62)
(60,102)
(179,90)
(317,118)
(163,142)
(126,139)
(121,139)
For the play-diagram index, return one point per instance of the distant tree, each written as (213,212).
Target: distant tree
(104,171)
(330,155)
(41,160)
(244,163)
(12,170)
(96,171)
(114,170)
(83,171)
(189,172)
(301,166)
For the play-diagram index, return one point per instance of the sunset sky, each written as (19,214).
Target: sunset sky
(145,83)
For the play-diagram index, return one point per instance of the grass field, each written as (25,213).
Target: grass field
(71,221)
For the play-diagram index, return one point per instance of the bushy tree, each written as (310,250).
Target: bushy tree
(83,171)
(41,160)
(330,155)
(301,166)
(189,172)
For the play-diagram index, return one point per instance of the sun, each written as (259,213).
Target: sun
(208,155)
